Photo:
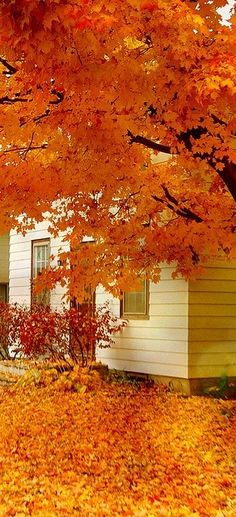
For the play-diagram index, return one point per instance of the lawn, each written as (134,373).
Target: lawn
(115,450)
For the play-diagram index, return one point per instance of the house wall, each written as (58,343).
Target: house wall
(4,255)
(212,322)
(159,345)
(20,264)
(191,330)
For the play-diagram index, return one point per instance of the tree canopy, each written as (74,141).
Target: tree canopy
(92,94)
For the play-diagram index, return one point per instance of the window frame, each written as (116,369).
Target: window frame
(135,315)
(34,244)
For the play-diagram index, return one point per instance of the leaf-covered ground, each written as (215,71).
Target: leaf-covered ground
(115,451)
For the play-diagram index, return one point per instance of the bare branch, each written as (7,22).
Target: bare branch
(174,205)
(10,68)
(24,154)
(227,174)
(195,256)
(21,150)
(138,139)
(40,117)
(60,96)
(9,100)
(169,196)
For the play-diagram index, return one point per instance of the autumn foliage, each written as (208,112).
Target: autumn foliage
(8,329)
(92,94)
(70,334)
(115,450)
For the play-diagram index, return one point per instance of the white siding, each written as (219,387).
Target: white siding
(191,330)
(20,264)
(159,345)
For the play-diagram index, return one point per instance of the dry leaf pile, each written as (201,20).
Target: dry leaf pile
(113,450)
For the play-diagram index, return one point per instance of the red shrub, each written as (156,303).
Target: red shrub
(90,330)
(9,316)
(72,333)
(41,333)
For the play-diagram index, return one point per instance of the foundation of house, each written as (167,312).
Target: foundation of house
(220,387)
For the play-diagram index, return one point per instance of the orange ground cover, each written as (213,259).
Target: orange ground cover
(115,451)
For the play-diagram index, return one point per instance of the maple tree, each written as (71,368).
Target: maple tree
(91,94)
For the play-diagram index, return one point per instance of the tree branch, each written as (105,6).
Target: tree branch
(60,96)
(24,154)
(138,139)
(9,100)
(22,150)
(227,174)
(10,68)
(174,205)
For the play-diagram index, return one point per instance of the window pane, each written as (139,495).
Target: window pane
(40,262)
(40,258)
(135,302)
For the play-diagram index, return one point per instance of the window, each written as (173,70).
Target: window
(134,304)
(3,292)
(40,261)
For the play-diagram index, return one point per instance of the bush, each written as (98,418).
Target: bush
(41,333)
(88,331)
(9,318)
(70,334)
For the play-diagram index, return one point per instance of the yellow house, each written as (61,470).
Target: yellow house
(180,333)
(4,267)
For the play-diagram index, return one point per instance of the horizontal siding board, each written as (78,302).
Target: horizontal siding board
(213,310)
(18,247)
(170,286)
(217,347)
(206,359)
(19,282)
(149,368)
(20,291)
(206,298)
(222,264)
(18,257)
(208,322)
(19,273)
(157,323)
(155,333)
(213,335)
(167,272)
(220,274)
(167,309)
(145,356)
(201,372)
(211,286)
(170,297)
(164,345)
